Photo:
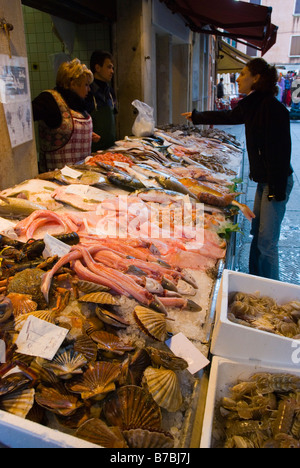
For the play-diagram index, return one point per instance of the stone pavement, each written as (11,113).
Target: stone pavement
(289,245)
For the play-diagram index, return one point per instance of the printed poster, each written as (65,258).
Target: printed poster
(16,99)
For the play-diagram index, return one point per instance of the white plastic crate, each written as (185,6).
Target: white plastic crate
(237,341)
(16,432)
(224,374)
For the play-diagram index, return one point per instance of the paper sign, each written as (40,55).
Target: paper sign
(181,346)
(40,338)
(68,172)
(54,247)
(2,352)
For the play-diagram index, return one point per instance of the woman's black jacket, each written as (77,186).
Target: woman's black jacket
(268,137)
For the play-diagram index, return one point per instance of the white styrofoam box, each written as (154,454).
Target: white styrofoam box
(16,432)
(237,341)
(224,374)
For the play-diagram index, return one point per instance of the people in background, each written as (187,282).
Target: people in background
(268,139)
(65,126)
(220,89)
(101,101)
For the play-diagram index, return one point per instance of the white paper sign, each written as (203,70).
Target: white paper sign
(69,172)
(54,247)
(181,346)
(40,338)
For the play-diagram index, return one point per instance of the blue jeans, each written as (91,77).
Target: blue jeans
(264,259)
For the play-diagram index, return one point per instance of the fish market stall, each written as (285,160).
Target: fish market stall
(109,273)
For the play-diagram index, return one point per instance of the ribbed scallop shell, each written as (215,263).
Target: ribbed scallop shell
(110,342)
(132,407)
(87,347)
(97,381)
(57,400)
(87,287)
(18,403)
(164,387)
(97,432)
(99,298)
(66,364)
(47,315)
(151,323)
(143,438)
(166,359)
(22,303)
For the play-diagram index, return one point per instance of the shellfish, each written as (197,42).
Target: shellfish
(131,407)
(57,400)
(97,381)
(22,303)
(99,298)
(143,438)
(166,359)
(66,364)
(109,342)
(164,387)
(97,432)
(151,323)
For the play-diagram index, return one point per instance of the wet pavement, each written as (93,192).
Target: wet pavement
(289,245)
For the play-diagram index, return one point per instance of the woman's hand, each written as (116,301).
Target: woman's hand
(187,115)
(95,137)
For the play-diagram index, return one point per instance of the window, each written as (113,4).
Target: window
(297,7)
(295,46)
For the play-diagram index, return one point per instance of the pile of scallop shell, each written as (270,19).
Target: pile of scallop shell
(99,386)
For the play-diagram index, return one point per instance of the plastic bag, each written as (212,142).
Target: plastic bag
(144,123)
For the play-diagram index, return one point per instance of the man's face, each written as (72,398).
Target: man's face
(106,72)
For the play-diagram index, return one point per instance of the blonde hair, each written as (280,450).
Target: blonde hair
(73,71)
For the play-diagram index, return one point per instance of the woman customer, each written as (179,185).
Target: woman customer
(65,127)
(268,140)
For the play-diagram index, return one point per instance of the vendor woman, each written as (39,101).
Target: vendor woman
(65,127)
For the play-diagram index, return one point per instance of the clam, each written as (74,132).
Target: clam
(110,342)
(58,400)
(151,323)
(99,298)
(22,303)
(166,359)
(143,438)
(110,318)
(97,381)
(13,382)
(66,364)
(164,387)
(97,432)
(132,407)
(87,347)
(47,315)
(18,403)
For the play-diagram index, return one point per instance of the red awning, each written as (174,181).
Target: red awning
(244,22)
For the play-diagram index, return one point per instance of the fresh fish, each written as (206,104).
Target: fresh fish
(81,197)
(36,191)
(124,181)
(160,195)
(87,177)
(17,207)
(170,183)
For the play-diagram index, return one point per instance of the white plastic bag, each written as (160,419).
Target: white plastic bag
(144,123)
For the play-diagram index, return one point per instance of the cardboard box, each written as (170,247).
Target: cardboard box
(224,374)
(237,341)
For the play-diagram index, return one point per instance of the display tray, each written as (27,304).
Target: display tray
(225,373)
(236,341)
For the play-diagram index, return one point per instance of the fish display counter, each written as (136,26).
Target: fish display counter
(109,273)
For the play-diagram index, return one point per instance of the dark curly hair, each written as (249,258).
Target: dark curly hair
(268,75)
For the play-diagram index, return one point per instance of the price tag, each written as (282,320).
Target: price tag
(40,338)
(68,172)
(181,346)
(54,247)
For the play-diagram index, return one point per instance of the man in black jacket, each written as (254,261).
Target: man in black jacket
(101,101)
(268,140)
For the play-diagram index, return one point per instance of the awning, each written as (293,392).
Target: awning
(245,22)
(77,11)
(230,60)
